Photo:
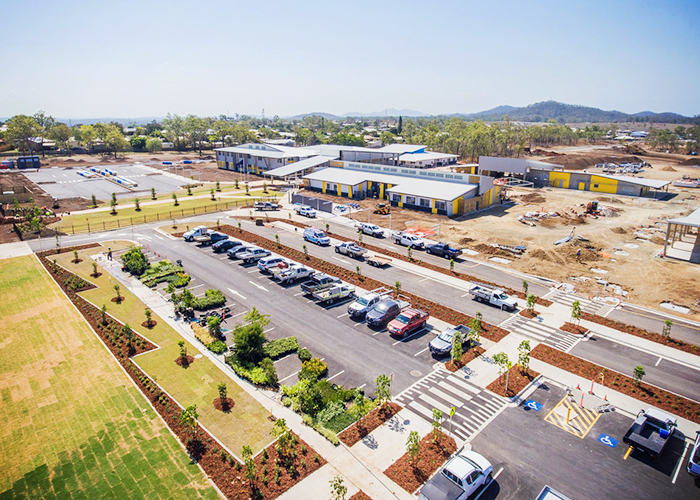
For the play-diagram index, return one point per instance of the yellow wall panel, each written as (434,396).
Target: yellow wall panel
(555,177)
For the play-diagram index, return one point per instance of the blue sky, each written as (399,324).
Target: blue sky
(148,58)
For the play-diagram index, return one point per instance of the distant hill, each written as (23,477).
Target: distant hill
(327,116)
(388,112)
(570,113)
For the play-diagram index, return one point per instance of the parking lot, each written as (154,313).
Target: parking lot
(64,182)
(534,449)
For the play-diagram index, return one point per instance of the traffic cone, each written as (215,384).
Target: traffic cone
(605,398)
(578,387)
(581,404)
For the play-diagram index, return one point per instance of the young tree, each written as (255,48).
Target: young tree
(175,200)
(137,205)
(94,269)
(531,299)
(249,465)
(666,332)
(283,435)
(153,193)
(452,265)
(397,288)
(214,326)
(223,394)
(475,323)
(149,317)
(576,311)
(638,374)
(457,350)
(501,359)
(526,287)
(235,184)
(247,189)
(75,256)
(306,250)
(188,418)
(437,424)
(264,187)
(113,205)
(524,355)
(413,446)
(129,335)
(117,289)
(212,195)
(339,490)
(103,314)
(218,186)
(183,351)
(94,201)
(382,393)
(362,407)
(189,190)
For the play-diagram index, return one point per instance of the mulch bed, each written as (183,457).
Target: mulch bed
(225,405)
(222,468)
(371,421)
(517,381)
(572,328)
(470,355)
(410,474)
(118,300)
(528,314)
(76,261)
(150,325)
(435,309)
(96,275)
(640,332)
(184,363)
(360,495)
(621,383)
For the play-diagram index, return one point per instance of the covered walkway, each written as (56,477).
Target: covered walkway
(683,238)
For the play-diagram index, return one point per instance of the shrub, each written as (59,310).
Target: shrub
(135,261)
(281,347)
(255,374)
(212,298)
(217,347)
(304,354)
(313,369)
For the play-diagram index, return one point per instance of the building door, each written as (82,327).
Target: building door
(581,186)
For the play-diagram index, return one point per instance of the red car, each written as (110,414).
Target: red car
(408,321)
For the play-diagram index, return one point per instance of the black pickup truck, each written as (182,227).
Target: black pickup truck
(443,250)
(651,431)
(318,282)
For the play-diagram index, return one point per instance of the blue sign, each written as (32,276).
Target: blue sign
(605,439)
(533,405)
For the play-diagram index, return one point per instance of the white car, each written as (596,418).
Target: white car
(267,263)
(306,211)
(371,230)
(459,479)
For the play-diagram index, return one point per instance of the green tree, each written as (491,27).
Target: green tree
(175,199)
(524,355)
(196,128)
(249,340)
(255,316)
(175,130)
(117,289)
(413,446)
(397,288)
(218,186)
(114,140)
(138,142)
(149,317)
(183,351)
(94,201)
(249,465)
(338,489)
(382,392)
(457,349)
(61,134)
(128,333)
(103,314)
(437,424)
(526,287)
(87,135)
(223,392)
(283,435)
(135,261)
(576,311)
(531,299)
(188,418)
(154,145)
(21,128)
(362,406)
(666,331)
(153,193)
(638,374)
(44,125)
(504,365)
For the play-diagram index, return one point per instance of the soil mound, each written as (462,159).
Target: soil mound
(533,198)
(466,241)
(618,230)
(540,254)
(669,169)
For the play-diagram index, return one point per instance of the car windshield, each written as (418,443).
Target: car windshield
(382,307)
(445,336)
(403,319)
(503,296)
(362,301)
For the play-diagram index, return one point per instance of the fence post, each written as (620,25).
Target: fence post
(119,224)
(158,215)
(183,212)
(194,210)
(171,214)
(88,225)
(144,219)
(103,225)
(72,228)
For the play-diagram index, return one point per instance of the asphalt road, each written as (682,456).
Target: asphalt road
(533,453)
(654,322)
(675,377)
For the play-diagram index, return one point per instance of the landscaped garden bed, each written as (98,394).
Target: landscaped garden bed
(640,332)
(410,473)
(272,477)
(572,328)
(371,421)
(518,379)
(664,400)
(528,314)
(436,310)
(360,495)
(470,355)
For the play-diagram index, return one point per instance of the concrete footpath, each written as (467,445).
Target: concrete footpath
(16,249)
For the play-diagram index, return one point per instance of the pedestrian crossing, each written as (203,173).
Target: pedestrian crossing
(587,305)
(545,334)
(474,407)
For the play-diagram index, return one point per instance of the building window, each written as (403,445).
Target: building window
(424,202)
(595,186)
(410,200)
(396,197)
(439,205)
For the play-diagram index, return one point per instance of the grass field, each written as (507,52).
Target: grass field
(97,221)
(73,424)
(247,422)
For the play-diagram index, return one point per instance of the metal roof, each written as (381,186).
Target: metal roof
(298,166)
(269,151)
(336,149)
(690,220)
(412,186)
(402,148)
(427,156)
(652,183)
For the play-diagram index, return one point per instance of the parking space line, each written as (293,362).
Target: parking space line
(269,330)
(196,286)
(344,314)
(288,377)
(421,352)
(465,294)
(300,293)
(339,373)
(264,276)
(358,324)
(254,270)
(239,314)
(361,387)
(493,478)
(680,462)
(410,336)
(658,361)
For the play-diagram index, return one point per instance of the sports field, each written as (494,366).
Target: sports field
(73,424)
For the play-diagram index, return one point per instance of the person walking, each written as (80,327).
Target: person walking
(109,253)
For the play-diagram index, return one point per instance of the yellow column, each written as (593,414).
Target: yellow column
(381,190)
(340,189)
(432,206)
(323,187)
(401,200)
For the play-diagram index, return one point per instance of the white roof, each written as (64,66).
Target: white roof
(411,186)
(401,148)
(690,220)
(652,183)
(335,149)
(269,151)
(298,166)
(427,156)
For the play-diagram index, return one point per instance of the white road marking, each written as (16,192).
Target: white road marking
(680,463)
(404,339)
(258,286)
(658,361)
(362,386)
(465,294)
(253,270)
(236,293)
(339,373)
(159,237)
(264,276)
(239,314)
(269,330)
(341,260)
(424,279)
(288,377)
(358,324)
(344,314)
(196,286)
(420,352)
(300,293)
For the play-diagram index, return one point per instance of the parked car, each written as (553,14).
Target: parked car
(333,293)
(651,431)
(265,205)
(443,250)
(408,321)
(267,263)
(292,273)
(236,252)
(442,344)
(459,478)
(385,311)
(407,240)
(694,460)
(193,233)
(306,211)
(350,249)
(231,252)
(224,245)
(367,302)
(371,230)
(316,236)
(211,237)
(318,282)
(494,296)
(253,254)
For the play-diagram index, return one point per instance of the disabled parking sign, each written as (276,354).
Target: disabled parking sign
(533,405)
(607,440)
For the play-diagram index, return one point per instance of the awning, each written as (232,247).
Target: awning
(299,166)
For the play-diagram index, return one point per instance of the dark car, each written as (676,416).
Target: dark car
(231,252)
(443,250)
(224,245)
(383,312)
